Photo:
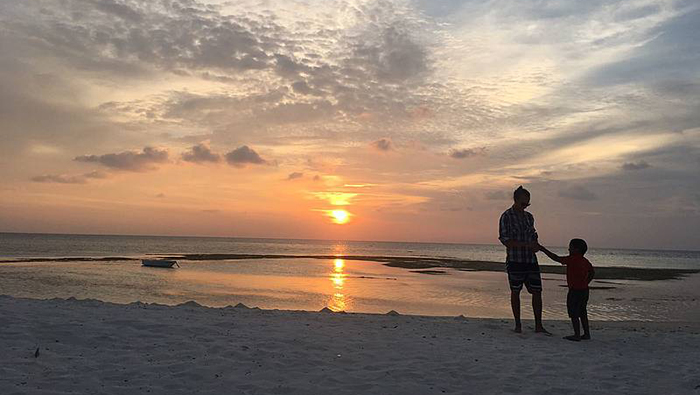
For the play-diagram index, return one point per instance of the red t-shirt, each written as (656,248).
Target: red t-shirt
(577,269)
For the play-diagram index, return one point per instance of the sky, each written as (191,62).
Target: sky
(362,120)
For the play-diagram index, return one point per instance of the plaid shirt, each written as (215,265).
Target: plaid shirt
(519,227)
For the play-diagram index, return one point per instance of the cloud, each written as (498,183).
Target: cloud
(498,195)
(244,155)
(201,153)
(316,79)
(119,10)
(125,36)
(301,87)
(577,192)
(395,56)
(295,175)
(466,152)
(641,165)
(129,160)
(668,51)
(335,198)
(320,69)
(383,144)
(449,200)
(59,178)
(68,179)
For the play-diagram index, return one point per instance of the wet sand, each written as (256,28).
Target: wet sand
(349,285)
(412,263)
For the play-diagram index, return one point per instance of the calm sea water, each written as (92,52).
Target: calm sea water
(339,284)
(14,245)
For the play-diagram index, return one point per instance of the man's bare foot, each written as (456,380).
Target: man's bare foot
(586,337)
(518,329)
(573,338)
(543,331)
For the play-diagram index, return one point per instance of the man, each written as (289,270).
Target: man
(517,232)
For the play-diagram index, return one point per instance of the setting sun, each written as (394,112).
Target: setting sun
(339,216)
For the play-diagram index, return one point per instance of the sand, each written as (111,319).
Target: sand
(93,347)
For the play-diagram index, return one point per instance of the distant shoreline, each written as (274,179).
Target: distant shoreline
(412,263)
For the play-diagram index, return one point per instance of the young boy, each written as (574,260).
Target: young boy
(579,273)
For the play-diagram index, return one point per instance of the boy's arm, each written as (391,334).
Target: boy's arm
(591,274)
(550,254)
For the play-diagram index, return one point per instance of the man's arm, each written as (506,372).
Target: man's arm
(535,244)
(551,255)
(535,236)
(505,235)
(504,231)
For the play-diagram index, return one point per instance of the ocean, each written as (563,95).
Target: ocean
(351,285)
(16,245)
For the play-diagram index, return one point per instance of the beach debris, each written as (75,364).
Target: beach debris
(432,272)
(240,306)
(36,353)
(393,313)
(460,317)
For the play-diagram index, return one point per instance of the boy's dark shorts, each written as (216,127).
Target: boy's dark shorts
(576,302)
(524,273)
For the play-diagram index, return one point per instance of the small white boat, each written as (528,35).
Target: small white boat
(159,262)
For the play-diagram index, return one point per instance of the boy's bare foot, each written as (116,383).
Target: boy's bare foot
(586,337)
(573,338)
(518,329)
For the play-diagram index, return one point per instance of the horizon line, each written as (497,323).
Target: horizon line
(331,240)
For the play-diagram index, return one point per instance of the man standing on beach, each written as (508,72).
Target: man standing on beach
(516,231)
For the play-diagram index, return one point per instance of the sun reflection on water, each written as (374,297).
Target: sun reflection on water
(337,301)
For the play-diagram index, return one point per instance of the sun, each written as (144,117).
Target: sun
(339,216)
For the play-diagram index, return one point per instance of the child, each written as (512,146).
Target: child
(579,273)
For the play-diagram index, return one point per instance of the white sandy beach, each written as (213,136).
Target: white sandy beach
(92,347)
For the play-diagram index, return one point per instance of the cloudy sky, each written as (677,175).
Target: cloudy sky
(414,120)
